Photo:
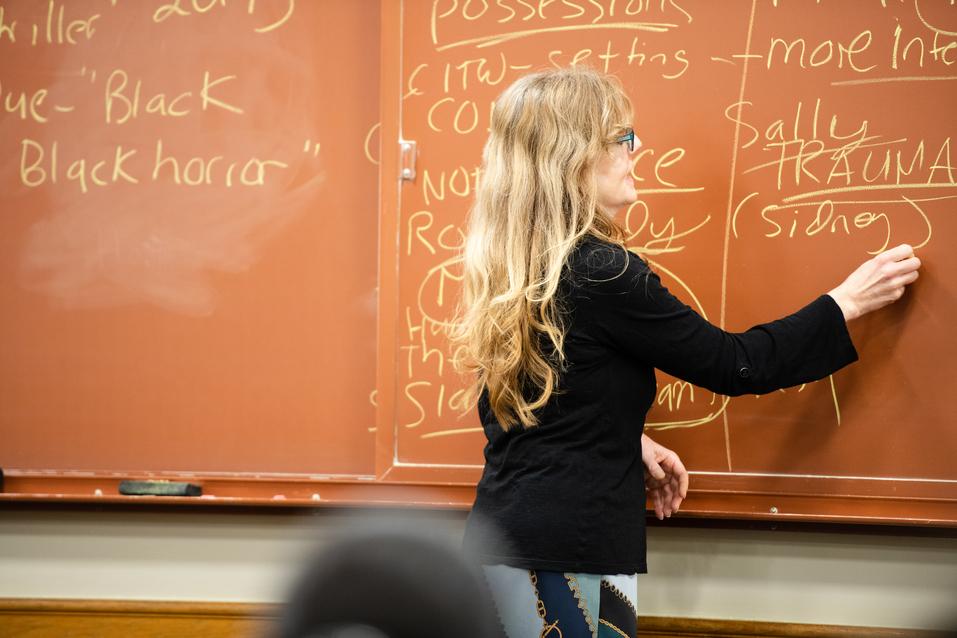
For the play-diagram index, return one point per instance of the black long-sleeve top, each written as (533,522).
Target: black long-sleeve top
(569,493)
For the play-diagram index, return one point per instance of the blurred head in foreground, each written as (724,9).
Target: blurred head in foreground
(392,581)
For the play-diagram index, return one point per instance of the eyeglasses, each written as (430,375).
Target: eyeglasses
(629,138)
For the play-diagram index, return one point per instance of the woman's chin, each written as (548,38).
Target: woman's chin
(611,209)
(624,203)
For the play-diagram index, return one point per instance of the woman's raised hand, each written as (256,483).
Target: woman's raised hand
(877,282)
(666,479)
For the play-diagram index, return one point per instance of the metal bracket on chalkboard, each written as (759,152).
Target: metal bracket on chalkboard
(407,148)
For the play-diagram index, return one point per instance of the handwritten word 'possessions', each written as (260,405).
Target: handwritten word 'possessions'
(42,164)
(543,15)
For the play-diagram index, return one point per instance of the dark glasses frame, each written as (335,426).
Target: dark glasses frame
(628,137)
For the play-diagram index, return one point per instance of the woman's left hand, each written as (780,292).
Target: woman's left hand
(666,479)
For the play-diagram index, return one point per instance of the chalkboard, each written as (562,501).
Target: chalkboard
(783,144)
(189,236)
(282,341)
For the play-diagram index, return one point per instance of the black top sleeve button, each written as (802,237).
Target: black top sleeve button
(744,372)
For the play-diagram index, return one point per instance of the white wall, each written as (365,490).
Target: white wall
(807,577)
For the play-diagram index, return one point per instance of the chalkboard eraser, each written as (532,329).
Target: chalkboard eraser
(159,488)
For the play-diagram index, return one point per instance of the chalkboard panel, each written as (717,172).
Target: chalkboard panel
(273,330)
(783,144)
(189,227)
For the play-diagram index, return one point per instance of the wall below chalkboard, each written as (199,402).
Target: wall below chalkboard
(894,579)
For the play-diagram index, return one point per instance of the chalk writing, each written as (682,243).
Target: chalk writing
(97,129)
(813,164)
(185,8)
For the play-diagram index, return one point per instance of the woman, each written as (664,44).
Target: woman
(563,327)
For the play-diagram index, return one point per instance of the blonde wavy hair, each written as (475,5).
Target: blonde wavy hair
(536,199)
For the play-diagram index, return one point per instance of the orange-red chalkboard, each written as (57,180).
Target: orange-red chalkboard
(189,236)
(283,340)
(783,144)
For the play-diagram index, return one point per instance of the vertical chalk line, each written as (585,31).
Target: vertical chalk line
(727,223)
(837,408)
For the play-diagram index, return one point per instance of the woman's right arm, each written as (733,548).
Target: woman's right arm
(637,315)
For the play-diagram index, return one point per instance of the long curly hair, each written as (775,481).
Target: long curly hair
(536,199)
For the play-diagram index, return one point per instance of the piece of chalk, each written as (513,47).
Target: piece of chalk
(159,488)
